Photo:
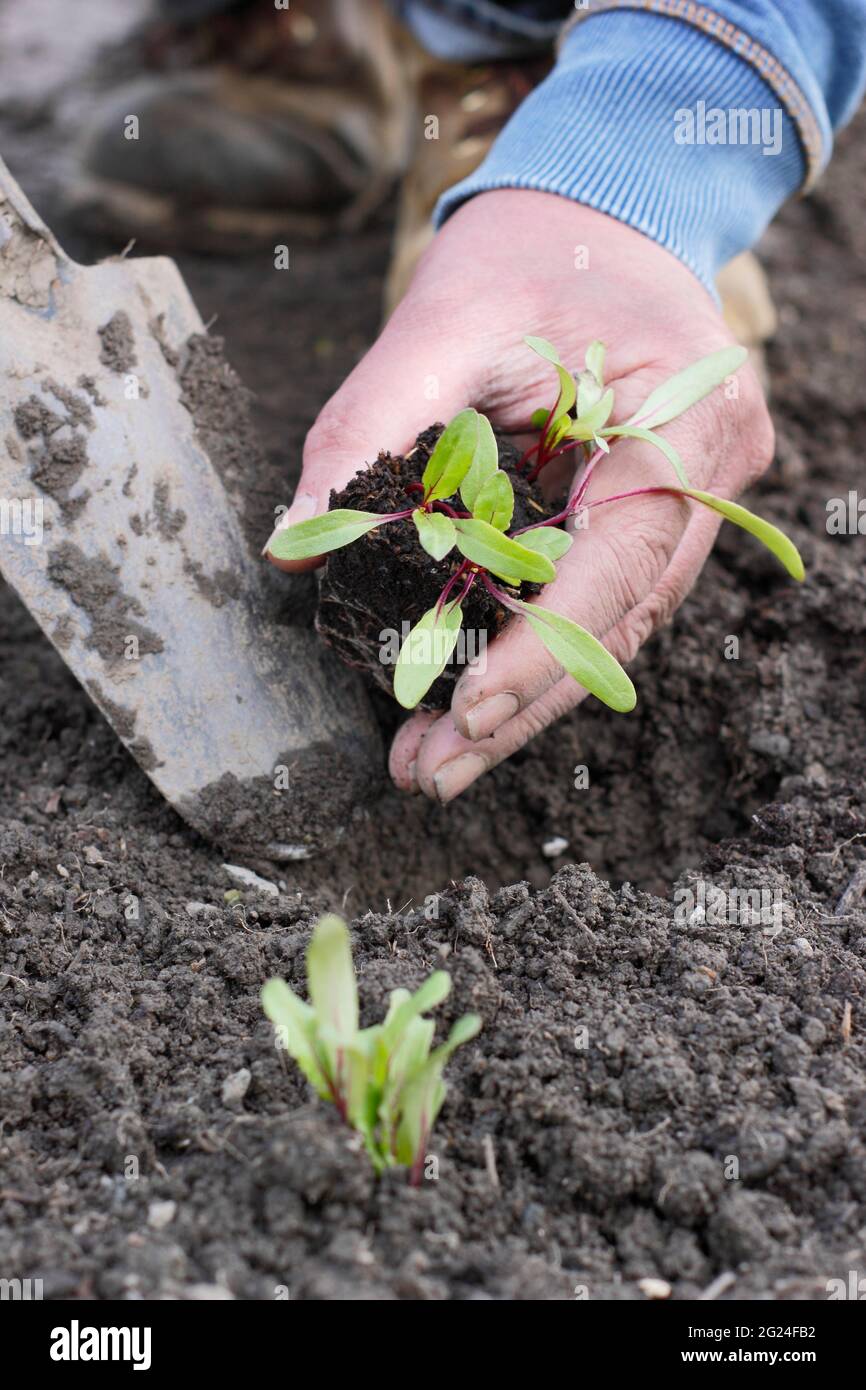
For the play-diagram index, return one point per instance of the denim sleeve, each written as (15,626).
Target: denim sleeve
(689,124)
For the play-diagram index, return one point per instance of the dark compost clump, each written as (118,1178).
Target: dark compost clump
(374,591)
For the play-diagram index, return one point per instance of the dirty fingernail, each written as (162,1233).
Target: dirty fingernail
(454,777)
(303,507)
(485,718)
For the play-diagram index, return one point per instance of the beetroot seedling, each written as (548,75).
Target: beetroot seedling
(584,423)
(385,1081)
(464,503)
(464,468)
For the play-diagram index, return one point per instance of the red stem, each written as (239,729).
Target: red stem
(538,448)
(417,1170)
(637,492)
(449,510)
(524,458)
(537,525)
(557,453)
(497,593)
(470,580)
(584,482)
(458,573)
(575,505)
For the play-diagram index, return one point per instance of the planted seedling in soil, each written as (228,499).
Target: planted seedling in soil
(385,1081)
(457,531)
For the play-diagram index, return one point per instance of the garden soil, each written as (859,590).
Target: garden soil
(656,1093)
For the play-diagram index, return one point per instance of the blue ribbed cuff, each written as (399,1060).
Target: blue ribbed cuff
(624,124)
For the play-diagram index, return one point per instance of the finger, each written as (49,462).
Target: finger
(446,762)
(613,565)
(405,747)
(404,381)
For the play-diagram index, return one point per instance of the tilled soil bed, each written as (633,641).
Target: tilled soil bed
(655,1093)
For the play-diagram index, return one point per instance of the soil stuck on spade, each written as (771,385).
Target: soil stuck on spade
(383,583)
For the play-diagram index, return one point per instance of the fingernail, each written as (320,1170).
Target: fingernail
(485,718)
(454,777)
(303,507)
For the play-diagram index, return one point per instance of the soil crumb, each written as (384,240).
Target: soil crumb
(123,720)
(78,411)
(33,417)
(90,386)
(169,521)
(157,328)
(60,458)
(56,470)
(64,632)
(218,588)
(311,792)
(118,344)
(220,406)
(93,586)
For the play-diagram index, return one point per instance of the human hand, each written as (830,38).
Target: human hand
(505,266)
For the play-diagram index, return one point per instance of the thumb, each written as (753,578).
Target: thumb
(397,390)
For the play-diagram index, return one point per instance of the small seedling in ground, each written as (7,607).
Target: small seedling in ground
(466,504)
(385,1081)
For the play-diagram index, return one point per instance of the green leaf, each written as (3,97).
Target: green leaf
(295,1022)
(322,533)
(361,1096)
(466,1028)
(547,540)
(485,546)
(495,501)
(452,456)
(567,388)
(586,426)
(376,1047)
(426,652)
(538,418)
(331,978)
(406,1063)
(774,539)
(410,1054)
(582,656)
(589,393)
(424,1093)
(435,532)
(371,1075)
(485,462)
(594,360)
(590,383)
(408,1050)
(544,348)
(639,432)
(405,1006)
(397,998)
(686,388)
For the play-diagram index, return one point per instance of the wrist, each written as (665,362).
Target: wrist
(628,125)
